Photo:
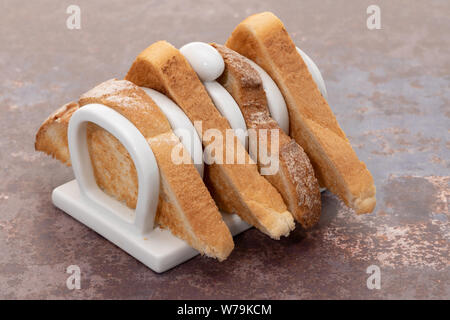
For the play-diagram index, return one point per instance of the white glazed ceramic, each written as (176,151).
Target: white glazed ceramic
(130,137)
(204,59)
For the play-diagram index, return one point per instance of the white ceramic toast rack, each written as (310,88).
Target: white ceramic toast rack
(134,231)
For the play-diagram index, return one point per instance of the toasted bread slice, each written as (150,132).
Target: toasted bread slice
(237,188)
(295,178)
(185,206)
(52,135)
(263,39)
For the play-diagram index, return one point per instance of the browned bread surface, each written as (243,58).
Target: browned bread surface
(263,39)
(51,137)
(295,178)
(237,188)
(185,206)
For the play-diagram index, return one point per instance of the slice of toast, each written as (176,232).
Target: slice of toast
(263,39)
(237,188)
(185,206)
(295,178)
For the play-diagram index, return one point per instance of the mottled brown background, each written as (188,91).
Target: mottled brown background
(389,89)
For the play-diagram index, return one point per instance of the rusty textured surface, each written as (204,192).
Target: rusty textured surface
(388,87)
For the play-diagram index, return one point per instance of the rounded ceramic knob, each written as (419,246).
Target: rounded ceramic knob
(204,59)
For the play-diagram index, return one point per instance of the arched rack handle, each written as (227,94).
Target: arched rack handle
(141,154)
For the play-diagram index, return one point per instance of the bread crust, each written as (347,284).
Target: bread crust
(237,188)
(185,206)
(263,39)
(295,178)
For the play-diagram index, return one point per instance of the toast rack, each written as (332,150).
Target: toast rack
(134,231)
